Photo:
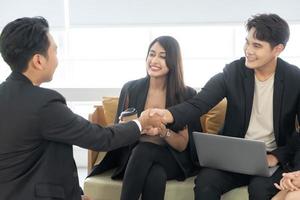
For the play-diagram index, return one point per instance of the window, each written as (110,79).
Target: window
(107,57)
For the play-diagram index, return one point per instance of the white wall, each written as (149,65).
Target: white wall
(141,12)
(133,12)
(53,10)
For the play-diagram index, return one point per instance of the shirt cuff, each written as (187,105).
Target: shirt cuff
(138,123)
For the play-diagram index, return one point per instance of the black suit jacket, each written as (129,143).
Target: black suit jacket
(134,94)
(236,83)
(37,131)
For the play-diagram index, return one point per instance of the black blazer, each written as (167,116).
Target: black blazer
(134,94)
(37,131)
(236,83)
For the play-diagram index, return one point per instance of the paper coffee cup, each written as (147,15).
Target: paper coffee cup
(128,115)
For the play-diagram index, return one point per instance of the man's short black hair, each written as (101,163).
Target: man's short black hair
(21,39)
(270,28)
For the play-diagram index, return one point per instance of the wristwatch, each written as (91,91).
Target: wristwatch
(168,133)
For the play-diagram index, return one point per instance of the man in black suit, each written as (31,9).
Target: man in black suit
(37,129)
(263,100)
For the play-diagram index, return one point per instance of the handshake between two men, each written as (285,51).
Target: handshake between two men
(153,121)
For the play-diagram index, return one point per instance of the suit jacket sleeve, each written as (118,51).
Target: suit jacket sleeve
(58,123)
(290,151)
(212,93)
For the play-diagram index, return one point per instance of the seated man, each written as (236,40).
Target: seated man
(263,93)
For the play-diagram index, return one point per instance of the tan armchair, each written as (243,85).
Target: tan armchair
(102,187)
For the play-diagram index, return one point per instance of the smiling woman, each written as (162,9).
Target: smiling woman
(154,159)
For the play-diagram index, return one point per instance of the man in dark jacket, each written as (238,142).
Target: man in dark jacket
(37,129)
(263,95)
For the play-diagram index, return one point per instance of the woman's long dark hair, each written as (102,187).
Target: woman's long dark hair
(175,82)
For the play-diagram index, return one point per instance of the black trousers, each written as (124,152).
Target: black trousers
(210,184)
(148,169)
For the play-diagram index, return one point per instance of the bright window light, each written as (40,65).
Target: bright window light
(107,57)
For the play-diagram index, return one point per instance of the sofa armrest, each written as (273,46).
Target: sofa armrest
(96,117)
(92,157)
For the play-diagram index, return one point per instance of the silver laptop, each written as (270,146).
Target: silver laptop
(232,154)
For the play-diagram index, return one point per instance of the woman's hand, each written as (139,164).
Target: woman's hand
(290,181)
(154,131)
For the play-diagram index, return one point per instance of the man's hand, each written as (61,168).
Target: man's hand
(154,130)
(153,122)
(272,160)
(165,114)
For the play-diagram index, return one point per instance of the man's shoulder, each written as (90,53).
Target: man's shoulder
(236,68)
(287,66)
(189,91)
(47,94)
(47,91)
(28,91)
(236,63)
(287,71)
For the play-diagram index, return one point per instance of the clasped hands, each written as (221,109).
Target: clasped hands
(153,121)
(289,182)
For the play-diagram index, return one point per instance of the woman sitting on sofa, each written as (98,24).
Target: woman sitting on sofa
(148,164)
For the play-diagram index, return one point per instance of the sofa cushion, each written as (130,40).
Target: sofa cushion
(110,106)
(102,187)
(213,121)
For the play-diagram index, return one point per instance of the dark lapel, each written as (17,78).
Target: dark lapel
(277,95)
(249,92)
(140,94)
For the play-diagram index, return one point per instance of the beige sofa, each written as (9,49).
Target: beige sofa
(102,187)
